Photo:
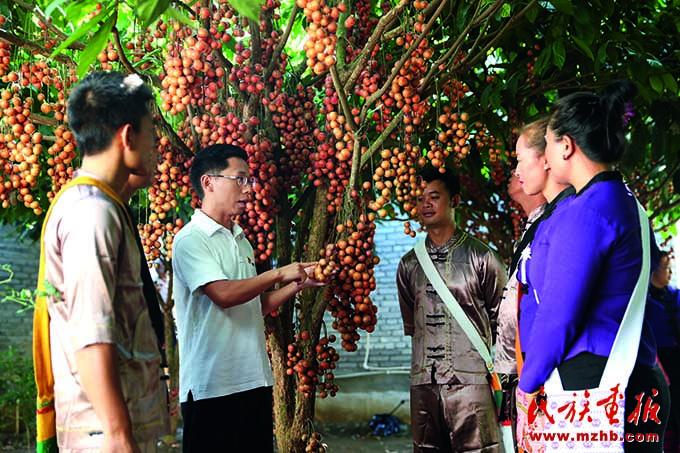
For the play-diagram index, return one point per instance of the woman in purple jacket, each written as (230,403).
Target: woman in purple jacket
(585,261)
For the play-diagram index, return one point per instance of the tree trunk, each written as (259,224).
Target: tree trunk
(172,354)
(293,411)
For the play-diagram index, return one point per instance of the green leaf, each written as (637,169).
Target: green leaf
(79,33)
(656,81)
(76,11)
(637,149)
(506,11)
(583,46)
(532,14)
(95,46)
(654,63)
(587,33)
(512,84)
(563,6)
(637,70)
(150,10)
(559,55)
(542,61)
(608,7)
(601,56)
(248,8)
(52,6)
(178,16)
(670,83)
(486,94)
(462,16)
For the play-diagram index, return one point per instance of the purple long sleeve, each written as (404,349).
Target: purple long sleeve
(585,262)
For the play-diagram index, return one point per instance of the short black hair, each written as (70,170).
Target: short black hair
(430,173)
(212,159)
(102,103)
(595,122)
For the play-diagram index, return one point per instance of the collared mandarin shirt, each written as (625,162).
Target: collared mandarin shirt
(441,351)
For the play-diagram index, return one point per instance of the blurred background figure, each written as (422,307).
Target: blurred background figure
(663,314)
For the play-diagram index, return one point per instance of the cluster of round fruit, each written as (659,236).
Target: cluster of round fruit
(333,154)
(397,174)
(5,58)
(313,443)
(294,117)
(257,220)
(157,238)
(321,32)
(316,371)
(348,267)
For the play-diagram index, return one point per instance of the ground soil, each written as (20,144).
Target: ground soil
(339,438)
(357,438)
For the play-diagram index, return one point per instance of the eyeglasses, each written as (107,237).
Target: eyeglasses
(241,181)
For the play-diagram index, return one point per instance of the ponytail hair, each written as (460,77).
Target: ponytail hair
(596,123)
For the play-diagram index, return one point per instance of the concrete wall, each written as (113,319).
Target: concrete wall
(16,328)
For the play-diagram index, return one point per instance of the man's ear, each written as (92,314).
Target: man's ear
(206,183)
(455,201)
(125,133)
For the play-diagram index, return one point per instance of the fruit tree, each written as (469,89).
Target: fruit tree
(338,103)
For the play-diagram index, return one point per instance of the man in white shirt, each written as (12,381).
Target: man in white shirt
(225,374)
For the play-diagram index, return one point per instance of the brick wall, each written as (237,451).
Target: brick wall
(387,349)
(16,328)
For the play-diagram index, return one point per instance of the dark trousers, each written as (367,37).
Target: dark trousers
(236,423)
(585,371)
(670,361)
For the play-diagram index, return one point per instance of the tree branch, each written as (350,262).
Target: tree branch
(35,10)
(669,174)
(282,43)
(35,48)
(342,98)
(407,54)
(121,51)
(360,62)
(492,9)
(381,139)
(167,130)
(665,208)
(44,120)
(483,52)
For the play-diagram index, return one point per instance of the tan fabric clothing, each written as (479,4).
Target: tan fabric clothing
(93,264)
(441,351)
(504,359)
(466,412)
(452,409)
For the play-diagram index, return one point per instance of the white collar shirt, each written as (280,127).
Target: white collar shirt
(222,350)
